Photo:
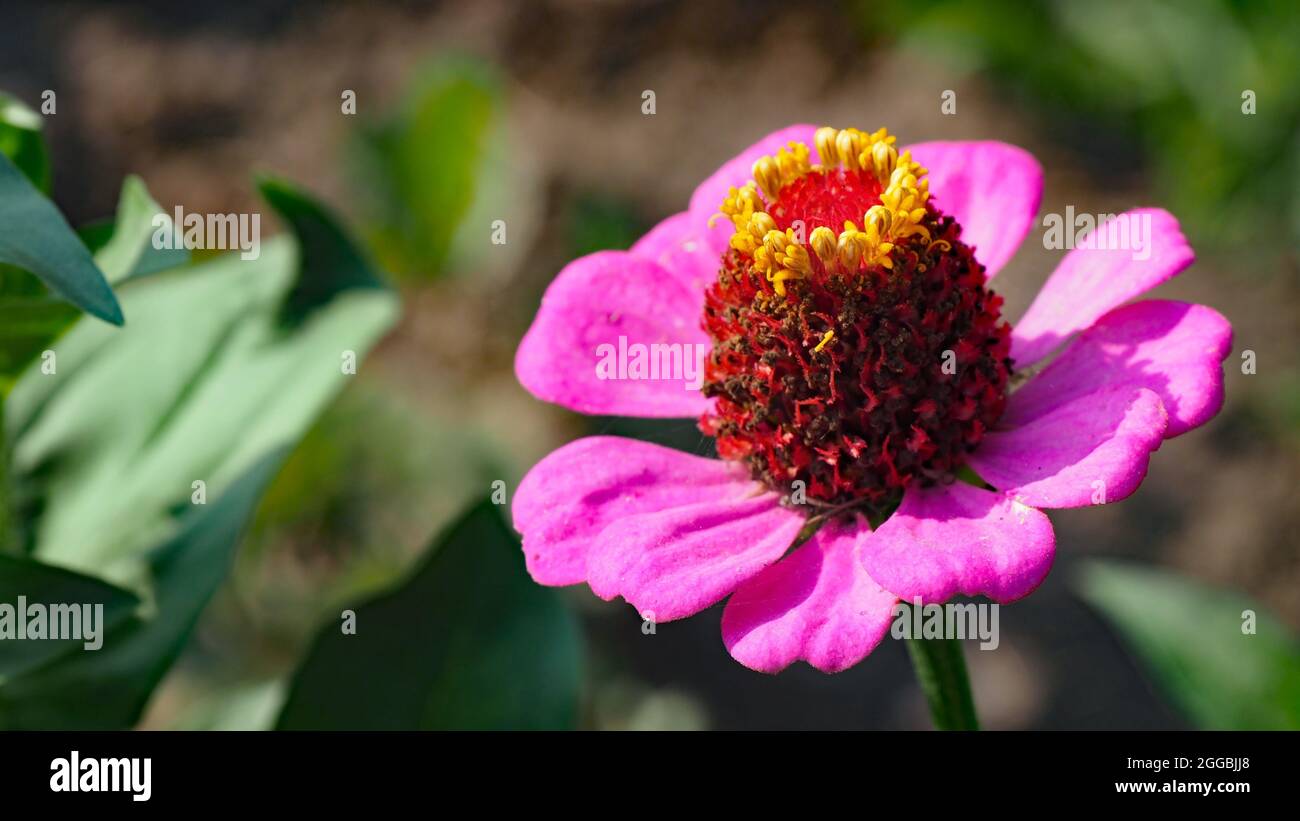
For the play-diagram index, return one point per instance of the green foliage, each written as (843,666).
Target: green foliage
(42,584)
(1168,76)
(348,491)
(35,237)
(1191,638)
(226,367)
(21,141)
(468,642)
(335,263)
(419,169)
(124,248)
(31,318)
(250,705)
(224,361)
(108,688)
(598,224)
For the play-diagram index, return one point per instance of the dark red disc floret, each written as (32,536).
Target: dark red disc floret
(914,375)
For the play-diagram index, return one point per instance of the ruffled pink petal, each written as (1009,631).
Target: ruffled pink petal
(618,300)
(959,539)
(1092,450)
(569,497)
(676,562)
(676,245)
(993,189)
(817,605)
(1089,282)
(736,172)
(1172,348)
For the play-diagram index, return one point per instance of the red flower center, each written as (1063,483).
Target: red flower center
(850,364)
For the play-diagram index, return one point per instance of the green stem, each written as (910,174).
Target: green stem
(941,669)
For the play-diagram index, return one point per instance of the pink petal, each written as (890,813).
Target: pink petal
(1173,348)
(615,299)
(569,497)
(993,189)
(1089,282)
(736,172)
(676,562)
(1092,450)
(956,539)
(818,604)
(677,246)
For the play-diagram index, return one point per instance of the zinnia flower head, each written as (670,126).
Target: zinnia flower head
(883,432)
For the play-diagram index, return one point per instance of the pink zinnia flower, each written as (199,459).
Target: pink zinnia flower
(859,378)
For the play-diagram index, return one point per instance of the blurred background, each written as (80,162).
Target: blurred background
(532,113)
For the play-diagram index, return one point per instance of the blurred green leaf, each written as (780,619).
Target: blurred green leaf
(35,237)
(210,376)
(128,248)
(1190,638)
(335,262)
(348,488)
(241,706)
(108,688)
(21,141)
(469,641)
(420,168)
(42,584)
(1131,85)
(599,224)
(31,318)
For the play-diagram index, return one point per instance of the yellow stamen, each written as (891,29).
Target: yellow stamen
(848,144)
(779,278)
(825,139)
(884,158)
(740,204)
(852,246)
(824,245)
(829,335)
(774,173)
(768,176)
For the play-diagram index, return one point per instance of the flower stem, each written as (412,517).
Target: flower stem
(941,669)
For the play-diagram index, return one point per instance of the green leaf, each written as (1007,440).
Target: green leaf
(31,318)
(108,688)
(241,706)
(335,262)
(208,378)
(420,168)
(1192,639)
(598,224)
(128,249)
(468,642)
(42,584)
(21,141)
(34,236)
